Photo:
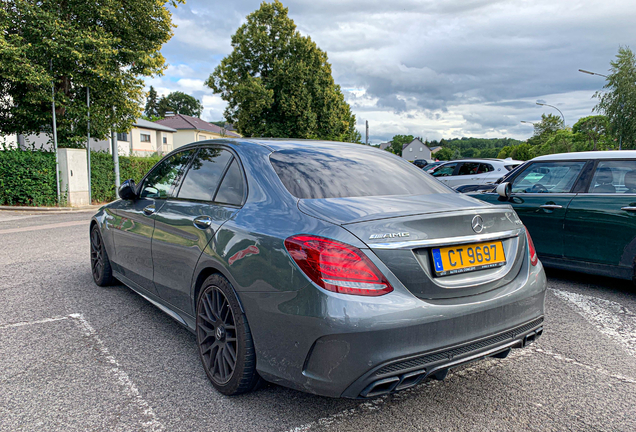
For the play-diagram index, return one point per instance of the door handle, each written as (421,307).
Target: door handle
(202,222)
(629,208)
(551,206)
(149,209)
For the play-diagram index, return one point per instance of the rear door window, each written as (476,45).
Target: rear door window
(468,168)
(350,172)
(485,168)
(547,177)
(614,177)
(204,175)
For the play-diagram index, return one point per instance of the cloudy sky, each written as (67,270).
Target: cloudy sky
(430,68)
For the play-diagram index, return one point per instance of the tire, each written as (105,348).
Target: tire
(100,263)
(224,339)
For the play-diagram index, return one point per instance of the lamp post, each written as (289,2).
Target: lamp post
(592,73)
(620,137)
(552,106)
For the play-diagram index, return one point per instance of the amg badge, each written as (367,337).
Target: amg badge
(388,235)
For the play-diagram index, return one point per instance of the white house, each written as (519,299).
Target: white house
(144,139)
(191,129)
(415,150)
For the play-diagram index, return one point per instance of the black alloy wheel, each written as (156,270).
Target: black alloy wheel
(225,342)
(100,264)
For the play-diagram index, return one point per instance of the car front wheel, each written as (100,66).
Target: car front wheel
(224,338)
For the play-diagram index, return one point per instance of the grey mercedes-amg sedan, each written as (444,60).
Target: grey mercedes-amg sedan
(336,269)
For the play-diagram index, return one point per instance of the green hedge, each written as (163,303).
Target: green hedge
(27,178)
(103,173)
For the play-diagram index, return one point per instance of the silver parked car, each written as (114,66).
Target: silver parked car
(473,171)
(331,268)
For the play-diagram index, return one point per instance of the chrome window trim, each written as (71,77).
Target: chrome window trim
(448,240)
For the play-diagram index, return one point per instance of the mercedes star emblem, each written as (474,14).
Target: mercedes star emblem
(478,224)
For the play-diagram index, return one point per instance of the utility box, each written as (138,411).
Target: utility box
(74,176)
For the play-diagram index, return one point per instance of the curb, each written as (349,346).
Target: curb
(52,209)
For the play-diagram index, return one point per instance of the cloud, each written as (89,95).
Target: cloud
(428,67)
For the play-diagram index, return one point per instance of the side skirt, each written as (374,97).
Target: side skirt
(589,268)
(179,316)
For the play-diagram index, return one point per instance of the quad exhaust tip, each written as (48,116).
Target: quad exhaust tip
(411,379)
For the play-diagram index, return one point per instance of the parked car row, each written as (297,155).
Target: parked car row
(579,207)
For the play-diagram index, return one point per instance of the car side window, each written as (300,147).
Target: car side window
(485,168)
(203,176)
(468,168)
(444,170)
(547,177)
(161,180)
(232,186)
(614,177)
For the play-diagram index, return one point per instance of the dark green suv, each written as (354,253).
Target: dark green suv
(580,209)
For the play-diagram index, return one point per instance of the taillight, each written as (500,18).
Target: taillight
(337,266)
(534,259)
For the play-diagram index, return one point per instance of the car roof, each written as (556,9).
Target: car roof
(486,160)
(276,144)
(607,154)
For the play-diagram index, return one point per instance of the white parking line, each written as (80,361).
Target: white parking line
(596,369)
(610,318)
(129,389)
(26,323)
(44,227)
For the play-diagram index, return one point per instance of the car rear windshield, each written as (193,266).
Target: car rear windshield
(348,172)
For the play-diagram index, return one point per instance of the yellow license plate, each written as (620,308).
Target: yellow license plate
(469,257)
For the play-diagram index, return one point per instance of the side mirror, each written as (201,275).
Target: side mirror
(504,190)
(127,190)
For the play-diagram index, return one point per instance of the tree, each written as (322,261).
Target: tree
(593,128)
(397,143)
(444,154)
(179,103)
(278,83)
(106,46)
(548,124)
(505,152)
(152,104)
(522,152)
(561,141)
(618,102)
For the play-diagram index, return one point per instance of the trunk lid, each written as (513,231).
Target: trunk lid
(403,231)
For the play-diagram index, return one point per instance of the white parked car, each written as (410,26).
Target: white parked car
(473,171)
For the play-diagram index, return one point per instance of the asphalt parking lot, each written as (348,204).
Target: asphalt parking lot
(74,356)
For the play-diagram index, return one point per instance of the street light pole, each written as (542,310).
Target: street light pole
(552,106)
(620,136)
(88,142)
(57,164)
(592,73)
(115,151)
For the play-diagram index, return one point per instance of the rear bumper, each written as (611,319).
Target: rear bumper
(340,346)
(406,372)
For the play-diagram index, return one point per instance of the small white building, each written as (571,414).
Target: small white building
(415,150)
